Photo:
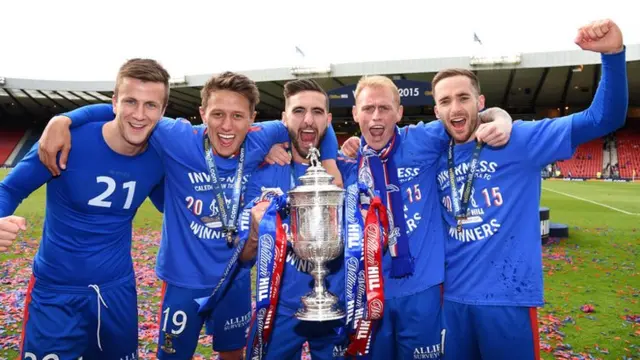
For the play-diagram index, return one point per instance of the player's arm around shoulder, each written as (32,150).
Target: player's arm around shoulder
(170,134)
(56,137)
(495,128)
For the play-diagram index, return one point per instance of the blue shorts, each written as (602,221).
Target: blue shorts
(410,327)
(180,323)
(289,334)
(490,332)
(71,322)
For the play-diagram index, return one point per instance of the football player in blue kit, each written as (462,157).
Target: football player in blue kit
(401,164)
(307,117)
(490,198)
(81,300)
(207,169)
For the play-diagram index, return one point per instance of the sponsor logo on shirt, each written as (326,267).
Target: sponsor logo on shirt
(427,352)
(237,322)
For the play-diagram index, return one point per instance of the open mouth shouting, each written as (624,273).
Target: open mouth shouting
(376,130)
(308,136)
(458,123)
(226,139)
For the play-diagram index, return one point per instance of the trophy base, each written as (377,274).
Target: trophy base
(323,307)
(319,315)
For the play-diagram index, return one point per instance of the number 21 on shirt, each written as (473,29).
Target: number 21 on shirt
(102,199)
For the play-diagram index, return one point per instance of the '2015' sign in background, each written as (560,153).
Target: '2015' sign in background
(412,93)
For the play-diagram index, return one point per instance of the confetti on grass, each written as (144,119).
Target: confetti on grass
(16,271)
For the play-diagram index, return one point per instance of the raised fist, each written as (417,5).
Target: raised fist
(602,36)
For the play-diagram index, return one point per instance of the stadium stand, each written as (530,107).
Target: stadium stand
(628,148)
(586,162)
(8,141)
(32,137)
(342,138)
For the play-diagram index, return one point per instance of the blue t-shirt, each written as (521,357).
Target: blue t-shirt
(296,280)
(193,251)
(416,161)
(497,257)
(86,238)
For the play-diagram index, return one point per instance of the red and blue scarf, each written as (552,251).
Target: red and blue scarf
(378,171)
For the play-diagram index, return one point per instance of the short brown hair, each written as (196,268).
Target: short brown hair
(294,87)
(377,81)
(447,73)
(232,82)
(144,70)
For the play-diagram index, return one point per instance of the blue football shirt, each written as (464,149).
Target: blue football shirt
(416,161)
(193,251)
(86,237)
(497,257)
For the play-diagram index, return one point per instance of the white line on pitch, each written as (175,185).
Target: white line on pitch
(591,201)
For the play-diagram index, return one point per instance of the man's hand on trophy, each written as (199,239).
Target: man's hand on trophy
(251,246)
(278,155)
(351,146)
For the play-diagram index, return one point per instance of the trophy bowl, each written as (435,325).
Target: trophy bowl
(316,236)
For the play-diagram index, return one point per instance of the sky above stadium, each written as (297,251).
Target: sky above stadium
(77,40)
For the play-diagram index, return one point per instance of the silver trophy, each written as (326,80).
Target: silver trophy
(316,235)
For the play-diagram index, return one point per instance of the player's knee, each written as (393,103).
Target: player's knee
(232,355)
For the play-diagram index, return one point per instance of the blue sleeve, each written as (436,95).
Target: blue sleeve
(90,113)
(426,141)
(348,168)
(269,133)
(24,179)
(169,134)
(329,145)
(157,196)
(254,187)
(555,139)
(608,110)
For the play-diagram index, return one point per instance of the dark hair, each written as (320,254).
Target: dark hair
(235,82)
(144,70)
(447,73)
(294,87)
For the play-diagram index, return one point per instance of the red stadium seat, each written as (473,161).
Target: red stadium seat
(586,162)
(628,145)
(8,141)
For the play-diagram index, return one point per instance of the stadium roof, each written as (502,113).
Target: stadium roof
(564,79)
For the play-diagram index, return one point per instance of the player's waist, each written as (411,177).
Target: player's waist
(486,300)
(187,279)
(45,284)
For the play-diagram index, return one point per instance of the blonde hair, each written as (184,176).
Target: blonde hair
(377,81)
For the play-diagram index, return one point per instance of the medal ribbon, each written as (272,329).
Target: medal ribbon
(460,208)
(375,238)
(228,219)
(353,260)
(272,251)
